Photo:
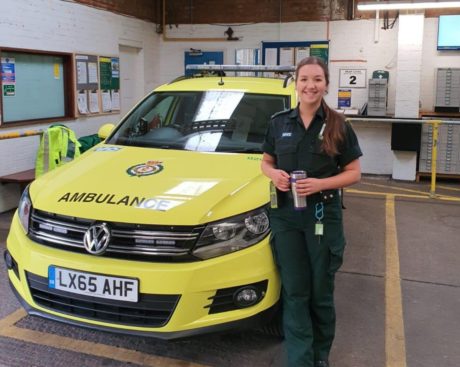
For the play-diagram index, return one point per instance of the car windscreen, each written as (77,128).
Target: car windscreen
(220,121)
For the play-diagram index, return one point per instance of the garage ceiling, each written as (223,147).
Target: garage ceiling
(239,11)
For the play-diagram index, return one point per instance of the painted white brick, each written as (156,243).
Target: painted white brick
(55,25)
(410,41)
(375,141)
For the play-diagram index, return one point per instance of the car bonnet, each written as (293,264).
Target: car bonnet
(153,186)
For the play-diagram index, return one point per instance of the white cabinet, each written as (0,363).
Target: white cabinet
(448,155)
(447,90)
(377,102)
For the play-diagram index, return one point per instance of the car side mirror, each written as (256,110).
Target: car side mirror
(105,130)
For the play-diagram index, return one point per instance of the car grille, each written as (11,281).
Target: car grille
(151,310)
(128,241)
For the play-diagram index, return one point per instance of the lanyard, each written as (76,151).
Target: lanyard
(319,211)
(319,214)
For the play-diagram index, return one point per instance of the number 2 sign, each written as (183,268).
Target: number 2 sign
(352,78)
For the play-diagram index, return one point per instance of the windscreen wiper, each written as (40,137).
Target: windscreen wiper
(240,150)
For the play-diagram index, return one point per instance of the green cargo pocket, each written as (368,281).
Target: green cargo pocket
(335,259)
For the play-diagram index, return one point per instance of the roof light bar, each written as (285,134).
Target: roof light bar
(261,68)
(411,4)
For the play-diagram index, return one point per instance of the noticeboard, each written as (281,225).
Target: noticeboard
(109,69)
(98,84)
(291,52)
(32,86)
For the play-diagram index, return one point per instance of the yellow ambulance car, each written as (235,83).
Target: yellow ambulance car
(161,229)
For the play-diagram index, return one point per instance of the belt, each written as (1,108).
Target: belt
(322,196)
(328,195)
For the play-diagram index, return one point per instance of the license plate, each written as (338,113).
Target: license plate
(95,285)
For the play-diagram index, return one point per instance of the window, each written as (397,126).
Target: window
(222,121)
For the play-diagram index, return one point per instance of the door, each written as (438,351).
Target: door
(131,76)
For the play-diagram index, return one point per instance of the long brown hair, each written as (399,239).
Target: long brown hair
(334,133)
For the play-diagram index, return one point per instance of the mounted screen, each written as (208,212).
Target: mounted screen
(449,32)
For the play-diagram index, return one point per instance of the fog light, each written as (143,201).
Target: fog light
(247,296)
(8,260)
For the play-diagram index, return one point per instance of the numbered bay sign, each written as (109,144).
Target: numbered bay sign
(352,78)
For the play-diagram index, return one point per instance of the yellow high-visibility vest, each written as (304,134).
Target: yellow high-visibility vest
(58,145)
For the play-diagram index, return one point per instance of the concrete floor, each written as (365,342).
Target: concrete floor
(387,315)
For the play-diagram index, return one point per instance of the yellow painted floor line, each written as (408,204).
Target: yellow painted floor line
(384,194)
(373,193)
(439,196)
(395,188)
(448,188)
(7,329)
(448,198)
(426,196)
(395,344)
(12,319)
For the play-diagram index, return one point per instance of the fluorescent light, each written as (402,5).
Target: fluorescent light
(393,5)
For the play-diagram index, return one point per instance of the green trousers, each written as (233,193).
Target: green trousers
(307,265)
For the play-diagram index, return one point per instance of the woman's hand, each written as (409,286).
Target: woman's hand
(281,179)
(309,186)
(350,174)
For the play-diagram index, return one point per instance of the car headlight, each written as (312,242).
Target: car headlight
(232,234)
(24,209)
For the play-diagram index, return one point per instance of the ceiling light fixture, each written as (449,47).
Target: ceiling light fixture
(398,5)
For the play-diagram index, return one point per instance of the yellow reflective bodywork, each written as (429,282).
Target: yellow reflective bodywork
(164,187)
(196,282)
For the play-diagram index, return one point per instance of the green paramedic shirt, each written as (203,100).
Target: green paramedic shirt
(295,148)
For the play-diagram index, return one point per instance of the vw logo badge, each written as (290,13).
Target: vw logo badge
(97,238)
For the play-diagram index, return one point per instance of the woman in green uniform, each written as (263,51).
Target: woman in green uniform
(308,244)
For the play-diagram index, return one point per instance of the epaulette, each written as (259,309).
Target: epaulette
(281,113)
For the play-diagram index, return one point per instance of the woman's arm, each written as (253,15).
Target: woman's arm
(279,177)
(350,174)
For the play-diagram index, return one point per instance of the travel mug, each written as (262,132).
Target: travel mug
(300,202)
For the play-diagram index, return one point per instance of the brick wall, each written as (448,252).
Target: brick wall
(253,11)
(54,25)
(240,11)
(142,9)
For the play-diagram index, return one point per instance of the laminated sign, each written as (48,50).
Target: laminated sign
(352,78)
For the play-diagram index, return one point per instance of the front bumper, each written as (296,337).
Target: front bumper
(255,321)
(195,284)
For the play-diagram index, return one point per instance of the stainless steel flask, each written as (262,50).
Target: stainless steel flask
(300,202)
